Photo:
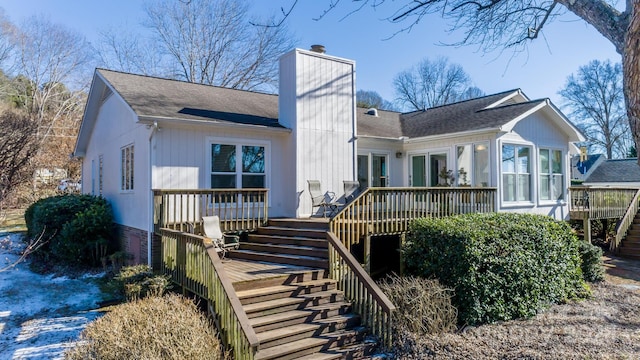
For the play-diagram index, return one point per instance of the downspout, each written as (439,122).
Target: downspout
(154,129)
(354,129)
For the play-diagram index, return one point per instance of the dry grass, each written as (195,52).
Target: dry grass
(169,327)
(607,326)
(422,306)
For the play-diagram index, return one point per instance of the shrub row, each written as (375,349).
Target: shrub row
(502,266)
(77,229)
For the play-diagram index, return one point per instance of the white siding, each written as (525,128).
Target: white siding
(115,128)
(182,159)
(317,101)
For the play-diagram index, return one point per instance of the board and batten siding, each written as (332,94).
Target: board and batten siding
(116,127)
(537,131)
(317,102)
(183,159)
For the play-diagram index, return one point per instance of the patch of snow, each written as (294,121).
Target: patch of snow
(41,315)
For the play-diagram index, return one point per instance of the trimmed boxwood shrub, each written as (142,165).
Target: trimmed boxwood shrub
(591,255)
(502,266)
(78,229)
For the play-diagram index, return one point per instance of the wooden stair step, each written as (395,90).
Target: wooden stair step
(292,303)
(299,348)
(295,332)
(284,279)
(287,249)
(317,224)
(274,292)
(288,240)
(292,232)
(329,355)
(633,256)
(299,260)
(292,317)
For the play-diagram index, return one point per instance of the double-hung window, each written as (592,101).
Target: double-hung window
(516,173)
(126,168)
(237,166)
(551,175)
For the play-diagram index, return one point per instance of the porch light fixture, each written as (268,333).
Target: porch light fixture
(399,154)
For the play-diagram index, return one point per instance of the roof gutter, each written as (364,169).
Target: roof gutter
(449,135)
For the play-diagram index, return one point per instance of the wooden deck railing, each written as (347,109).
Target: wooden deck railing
(238,209)
(599,202)
(192,262)
(381,211)
(625,223)
(368,300)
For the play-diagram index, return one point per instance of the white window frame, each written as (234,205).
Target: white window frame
(550,174)
(127,167)
(239,143)
(531,173)
(471,173)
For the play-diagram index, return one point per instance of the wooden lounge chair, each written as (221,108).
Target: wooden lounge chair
(223,242)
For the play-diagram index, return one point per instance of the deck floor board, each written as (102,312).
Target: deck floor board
(239,270)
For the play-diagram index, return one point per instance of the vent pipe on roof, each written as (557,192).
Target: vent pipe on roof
(318,48)
(372,111)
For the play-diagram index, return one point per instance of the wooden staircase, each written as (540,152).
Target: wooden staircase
(299,315)
(630,247)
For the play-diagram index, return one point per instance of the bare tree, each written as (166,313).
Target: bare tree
(595,98)
(433,83)
(18,145)
(53,63)
(511,24)
(371,99)
(129,52)
(213,42)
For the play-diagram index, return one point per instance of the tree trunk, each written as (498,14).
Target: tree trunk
(631,70)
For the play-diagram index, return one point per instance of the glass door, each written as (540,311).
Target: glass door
(379,176)
(363,171)
(437,166)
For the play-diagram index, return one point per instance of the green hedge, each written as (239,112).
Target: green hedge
(78,229)
(502,266)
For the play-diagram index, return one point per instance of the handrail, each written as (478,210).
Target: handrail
(373,306)
(390,210)
(594,202)
(625,223)
(238,209)
(192,262)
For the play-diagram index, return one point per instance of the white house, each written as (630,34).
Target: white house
(141,133)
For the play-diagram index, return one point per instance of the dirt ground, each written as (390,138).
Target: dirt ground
(606,326)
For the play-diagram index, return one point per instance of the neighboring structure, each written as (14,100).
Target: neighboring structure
(140,133)
(580,170)
(615,173)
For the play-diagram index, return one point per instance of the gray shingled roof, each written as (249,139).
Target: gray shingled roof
(163,98)
(386,124)
(156,97)
(616,171)
(463,116)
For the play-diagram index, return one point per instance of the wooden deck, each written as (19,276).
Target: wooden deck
(239,270)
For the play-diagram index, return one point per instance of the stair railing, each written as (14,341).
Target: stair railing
(373,306)
(625,223)
(192,262)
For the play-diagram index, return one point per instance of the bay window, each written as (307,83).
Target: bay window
(551,175)
(516,173)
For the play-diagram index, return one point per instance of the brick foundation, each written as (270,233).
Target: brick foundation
(135,242)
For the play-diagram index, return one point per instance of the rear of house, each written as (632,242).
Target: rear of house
(142,133)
